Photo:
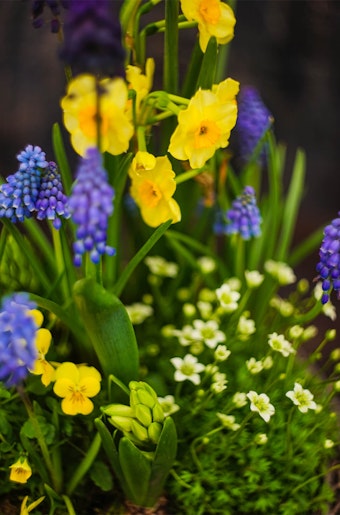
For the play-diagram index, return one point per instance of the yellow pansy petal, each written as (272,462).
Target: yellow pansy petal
(63,386)
(68,370)
(37,315)
(43,340)
(48,373)
(89,386)
(74,404)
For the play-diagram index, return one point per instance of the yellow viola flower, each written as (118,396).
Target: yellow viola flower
(152,188)
(205,125)
(214,18)
(141,83)
(20,471)
(81,114)
(75,384)
(42,366)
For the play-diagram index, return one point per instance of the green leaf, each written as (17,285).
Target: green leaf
(163,460)
(101,476)
(208,69)
(109,328)
(60,154)
(48,430)
(136,469)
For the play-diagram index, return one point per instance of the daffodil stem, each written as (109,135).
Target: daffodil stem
(85,464)
(56,480)
(69,506)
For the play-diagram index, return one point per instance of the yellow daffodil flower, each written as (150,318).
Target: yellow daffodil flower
(140,82)
(205,125)
(81,116)
(75,384)
(152,188)
(20,471)
(214,18)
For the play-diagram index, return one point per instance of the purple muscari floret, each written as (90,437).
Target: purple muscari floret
(328,267)
(18,351)
(244,217)
(20,192)
(90,205)
(93,39)
(253,120)
(37,10)
(52,202)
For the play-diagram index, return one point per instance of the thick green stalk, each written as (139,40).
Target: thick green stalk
(85,464)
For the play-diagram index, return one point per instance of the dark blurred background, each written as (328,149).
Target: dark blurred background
(288,49)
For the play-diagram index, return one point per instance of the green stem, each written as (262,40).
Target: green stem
(56,480)
(69,506)
(170,56)
(85,464)
(58,252)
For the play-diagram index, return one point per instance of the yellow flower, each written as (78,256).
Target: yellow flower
(42,341)
(152,188)
(20,471)
(140,82)
(214,18)
(205,125)
(75,384)
(81,114)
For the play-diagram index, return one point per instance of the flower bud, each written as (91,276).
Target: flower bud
(154,431)
(143,414)
(157,413)
(122,423)
(118,410)
(139,431)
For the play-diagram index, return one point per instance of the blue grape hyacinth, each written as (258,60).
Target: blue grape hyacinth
(244,217)
(91,204)
(253,120)
(52,202)
(328,267)
(18,328)
(20,192)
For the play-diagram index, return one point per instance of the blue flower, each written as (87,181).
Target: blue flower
(253,120)
(19,194)
(91,204)
(244,217)
(18,328)
(328,267)
(93,39)
(37,10)
(52,202)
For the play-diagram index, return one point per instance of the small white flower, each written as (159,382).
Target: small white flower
(285,308)
(218,386)
(227,298)
(267,362)
(228,421)
(221,353)
(138,312)
(310,332)
(303,399)
(328,444)
(205,309)
(159,266)
(245,327)
(208,332)
(168,405)
(186,335)
(261,404)
(295,332)
(220,377)
(187,368)
(280,271)
(253,278)
(261,439)
(207,264)
(239,399)
(278,343)
(254,367)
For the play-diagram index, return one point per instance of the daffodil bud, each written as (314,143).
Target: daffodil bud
(122,423)
(139,431)
(120,410)
(157,413)
(143,414)
(154,431)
